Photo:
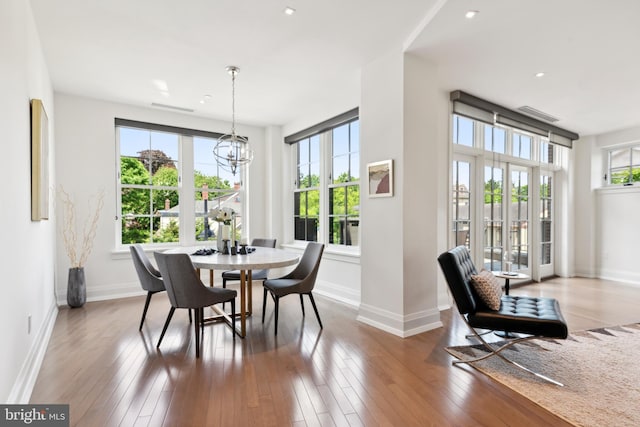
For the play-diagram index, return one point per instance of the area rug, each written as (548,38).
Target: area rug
(599,368)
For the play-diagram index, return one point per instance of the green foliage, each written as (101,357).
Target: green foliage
(135,230)
(624,177)
(166,177)
(136,201)
(132,171)
(492,192)
(309,181)
(170,233)
(213,182)
(521,193)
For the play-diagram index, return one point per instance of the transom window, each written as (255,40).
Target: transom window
(624,165)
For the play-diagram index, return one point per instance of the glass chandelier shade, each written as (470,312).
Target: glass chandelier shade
(232,150)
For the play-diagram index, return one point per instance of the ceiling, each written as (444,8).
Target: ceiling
(174,53)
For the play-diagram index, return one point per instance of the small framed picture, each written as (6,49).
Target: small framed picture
(380,176)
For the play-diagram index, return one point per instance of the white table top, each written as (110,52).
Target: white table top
(261,258)
(510,275)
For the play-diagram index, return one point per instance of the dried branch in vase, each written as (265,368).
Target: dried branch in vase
(69,234)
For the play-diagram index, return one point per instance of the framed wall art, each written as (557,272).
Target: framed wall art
(380,176)
(39,161)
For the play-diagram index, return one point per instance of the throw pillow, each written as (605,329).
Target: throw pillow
(488,288)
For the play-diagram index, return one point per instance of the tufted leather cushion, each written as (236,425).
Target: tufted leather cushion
(458,268)
(526,315)
(488,288)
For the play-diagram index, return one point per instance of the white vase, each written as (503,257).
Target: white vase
(219,241)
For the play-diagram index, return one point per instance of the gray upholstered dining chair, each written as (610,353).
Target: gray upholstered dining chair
(300,281)
(255,274)
(150,278)
(186,290)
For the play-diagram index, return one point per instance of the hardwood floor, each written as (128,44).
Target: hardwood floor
(349,374)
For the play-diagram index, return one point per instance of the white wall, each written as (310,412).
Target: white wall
(28,248)
(381,136)
(403,118)
(609,240)
(86,161)
(584,195)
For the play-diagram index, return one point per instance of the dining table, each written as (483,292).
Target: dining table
(257,258)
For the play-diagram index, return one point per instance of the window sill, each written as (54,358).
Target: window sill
(334,252)
(613,189)
(123,252)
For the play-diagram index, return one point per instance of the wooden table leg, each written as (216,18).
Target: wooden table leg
(243,306)
(211,278)
(250,291)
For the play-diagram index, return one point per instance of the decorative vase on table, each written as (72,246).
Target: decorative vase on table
(76,287)
(219,242)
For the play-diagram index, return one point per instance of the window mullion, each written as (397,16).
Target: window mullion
(186,190)
(325,181)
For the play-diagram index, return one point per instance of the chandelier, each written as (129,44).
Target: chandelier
(232,150)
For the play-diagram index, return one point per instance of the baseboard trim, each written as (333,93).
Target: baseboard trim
(339,293)
(399,325)
(26,380)
(628,277)
(105,293)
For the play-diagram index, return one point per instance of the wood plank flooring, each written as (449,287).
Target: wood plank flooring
(349,374)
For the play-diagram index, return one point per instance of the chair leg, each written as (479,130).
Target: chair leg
(166,324)
(497,352)
(277,300)
(264,303)
(197,330)
(302,305)
(146,306)
(224,286)
(233,317)
(190,320)
(313,303)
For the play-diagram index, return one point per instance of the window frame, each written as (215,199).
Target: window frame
(324,132)
(478,156)
(632,164)
(186,183)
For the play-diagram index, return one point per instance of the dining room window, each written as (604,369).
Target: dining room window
(326,193)
(167,181)
(149,193)
(306,195)
(344,187)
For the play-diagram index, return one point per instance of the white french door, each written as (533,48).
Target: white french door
(506,213)
(546,215)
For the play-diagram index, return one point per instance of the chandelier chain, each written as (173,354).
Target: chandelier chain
(232,151)
(233,101)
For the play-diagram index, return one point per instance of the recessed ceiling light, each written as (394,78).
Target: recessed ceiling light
(289,11)
(470,14)
(540,74)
